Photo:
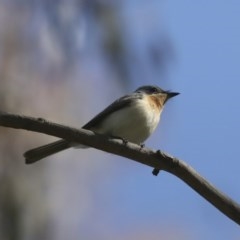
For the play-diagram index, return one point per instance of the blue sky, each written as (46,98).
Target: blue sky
(201,126)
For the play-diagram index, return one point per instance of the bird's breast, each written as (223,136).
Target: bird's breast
(134,123)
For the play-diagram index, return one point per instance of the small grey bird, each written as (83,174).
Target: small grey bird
(133,117)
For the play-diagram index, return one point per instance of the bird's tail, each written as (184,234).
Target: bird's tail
(38,153)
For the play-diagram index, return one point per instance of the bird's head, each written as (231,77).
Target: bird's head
(157,93)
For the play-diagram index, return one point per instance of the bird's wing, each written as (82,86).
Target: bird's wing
(120,103)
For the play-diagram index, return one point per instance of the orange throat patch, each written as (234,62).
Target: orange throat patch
(157,101)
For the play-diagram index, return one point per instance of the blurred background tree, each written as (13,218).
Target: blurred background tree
(63,60)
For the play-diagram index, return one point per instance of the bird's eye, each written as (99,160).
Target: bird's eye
(154,90)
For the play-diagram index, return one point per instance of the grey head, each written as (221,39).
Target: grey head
(155,90)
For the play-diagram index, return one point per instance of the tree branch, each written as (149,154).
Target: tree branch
(155,159)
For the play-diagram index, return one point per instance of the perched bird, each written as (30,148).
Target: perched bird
(133,117)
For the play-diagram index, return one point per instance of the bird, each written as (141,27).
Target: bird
(133,118)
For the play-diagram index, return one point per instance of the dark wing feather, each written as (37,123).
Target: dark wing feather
(38,153)
(120,103)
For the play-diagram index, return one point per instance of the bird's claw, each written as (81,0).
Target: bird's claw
(142,145)
(124,140)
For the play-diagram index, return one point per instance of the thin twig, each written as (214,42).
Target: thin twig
(149,157)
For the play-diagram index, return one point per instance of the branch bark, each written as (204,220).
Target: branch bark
(144,155)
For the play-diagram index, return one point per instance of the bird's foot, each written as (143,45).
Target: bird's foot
(124,140)
(142,145)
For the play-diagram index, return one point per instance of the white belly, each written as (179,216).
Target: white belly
(132,123)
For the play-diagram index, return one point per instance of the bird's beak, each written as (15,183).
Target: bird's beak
(172,94)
